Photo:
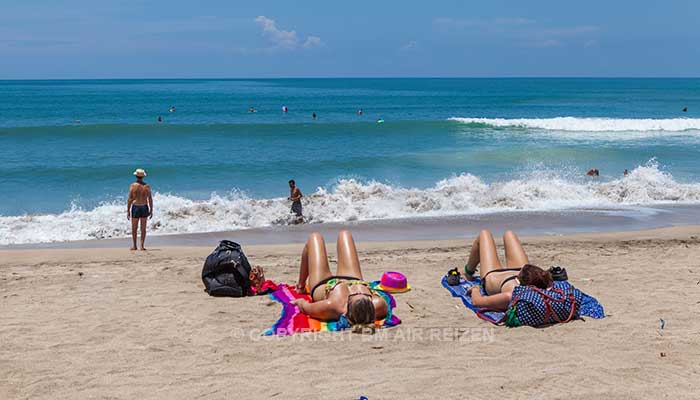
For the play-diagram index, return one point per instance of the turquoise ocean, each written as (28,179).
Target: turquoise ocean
(446,148)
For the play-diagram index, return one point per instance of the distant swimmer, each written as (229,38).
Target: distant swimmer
(160,119)
(685,109)
(360,112)
(593,172)
(313,115)
(626,172)
(295,196)
(139,207)
(380,121)
(284,109)
(251,110)
(172,109)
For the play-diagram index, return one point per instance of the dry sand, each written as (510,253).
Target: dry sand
(95,323)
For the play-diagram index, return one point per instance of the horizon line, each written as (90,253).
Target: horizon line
(347,77)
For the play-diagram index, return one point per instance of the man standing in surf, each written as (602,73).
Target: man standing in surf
(139,207)
(295,196)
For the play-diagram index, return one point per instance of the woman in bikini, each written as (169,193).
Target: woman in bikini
(499,282)
(344,296)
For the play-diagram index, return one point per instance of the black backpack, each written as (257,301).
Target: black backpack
(226,271)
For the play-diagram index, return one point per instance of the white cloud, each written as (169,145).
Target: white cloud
(312,41)
(282,39)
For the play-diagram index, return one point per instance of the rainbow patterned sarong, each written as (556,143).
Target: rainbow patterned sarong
(294,321)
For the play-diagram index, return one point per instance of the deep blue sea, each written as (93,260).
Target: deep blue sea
(446,147)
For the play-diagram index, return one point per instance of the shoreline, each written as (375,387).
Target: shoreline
(528,223)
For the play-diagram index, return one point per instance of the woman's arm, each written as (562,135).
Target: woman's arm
(494,302)
(381,309)
(324,310)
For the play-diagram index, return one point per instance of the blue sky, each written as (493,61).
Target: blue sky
(151,39)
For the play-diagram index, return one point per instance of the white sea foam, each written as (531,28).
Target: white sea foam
(591,124)
(350,200)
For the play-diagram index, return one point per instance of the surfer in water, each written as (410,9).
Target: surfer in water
(295,196)
(139,207)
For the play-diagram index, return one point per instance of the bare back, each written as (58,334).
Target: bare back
(139,194)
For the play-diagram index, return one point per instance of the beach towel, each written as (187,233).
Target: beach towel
(294,321)
(590,307)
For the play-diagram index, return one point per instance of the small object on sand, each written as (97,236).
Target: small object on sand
(453,277)
(662,354)
(393,282)
(80,274)
(663,323)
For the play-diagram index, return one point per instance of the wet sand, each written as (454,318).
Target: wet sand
(110,323)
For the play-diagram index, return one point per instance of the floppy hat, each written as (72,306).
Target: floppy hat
(140,173)
(393,282)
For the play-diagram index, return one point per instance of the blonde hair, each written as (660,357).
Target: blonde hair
(361,315)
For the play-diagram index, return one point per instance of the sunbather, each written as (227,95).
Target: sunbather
(341,296)
(499,282)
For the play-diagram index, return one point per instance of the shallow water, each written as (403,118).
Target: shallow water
(447,148)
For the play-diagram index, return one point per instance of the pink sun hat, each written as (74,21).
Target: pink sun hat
(394,282)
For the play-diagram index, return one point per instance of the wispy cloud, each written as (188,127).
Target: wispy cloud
(281,39)
(312,41)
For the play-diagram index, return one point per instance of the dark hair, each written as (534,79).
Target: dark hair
(292,182)
(532,275)
(361,315)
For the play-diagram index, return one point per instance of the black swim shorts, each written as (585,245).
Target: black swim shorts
(139,211)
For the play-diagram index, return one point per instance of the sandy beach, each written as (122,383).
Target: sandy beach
(113,324)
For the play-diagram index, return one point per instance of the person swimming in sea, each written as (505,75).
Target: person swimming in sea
(171,109)
(593,172)
(344,297)
(284,109)
(313,115)
(160,119)
(251,110)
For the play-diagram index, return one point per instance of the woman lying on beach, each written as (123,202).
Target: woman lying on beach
(499,282)
(341,296)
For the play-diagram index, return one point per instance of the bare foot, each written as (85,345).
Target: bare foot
(133,248)
(143,249)
(301,289)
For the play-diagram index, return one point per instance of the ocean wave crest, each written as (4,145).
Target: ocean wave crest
(352,200)
(590,124)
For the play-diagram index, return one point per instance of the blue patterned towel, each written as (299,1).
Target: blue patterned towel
(590,307)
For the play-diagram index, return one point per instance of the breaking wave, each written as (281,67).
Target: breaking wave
(590,124)
(352,200)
